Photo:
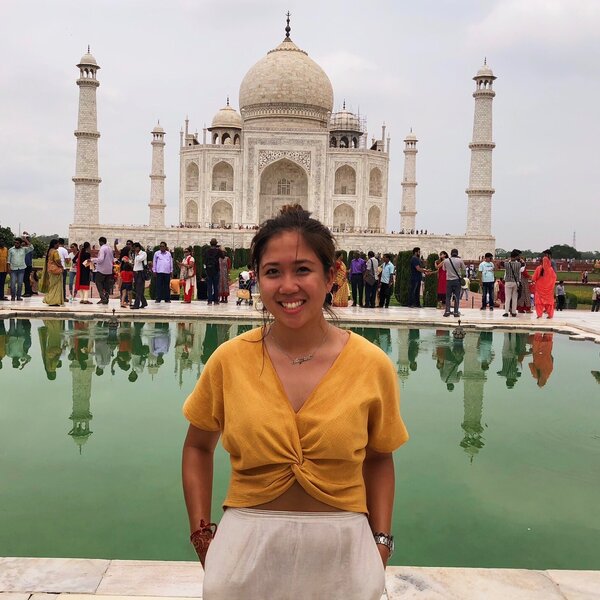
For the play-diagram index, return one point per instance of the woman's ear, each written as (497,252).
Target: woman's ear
(330,277)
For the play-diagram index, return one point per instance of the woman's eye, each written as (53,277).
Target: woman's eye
(270,271)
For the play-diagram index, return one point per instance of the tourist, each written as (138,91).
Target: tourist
(544,278)
(416,277)
(52,278)
(140,263)
(126,251)
(370,278)
(84,274)
(103,277)
(499,292)
(561,295)
(455,268)
(3,268)
(16,266)
(357,269)
(64,261)
(464,288)
(187,275)
(211,265)
(596,299)
(524,298)
(28,270)
(300,406)
(72,262)
(126,273)
(512,279)
(386,286)
(224,266)
(487,270)
(340,286)
(441,275)
(584,277)
(162,265)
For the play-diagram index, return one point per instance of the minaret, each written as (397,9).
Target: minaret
(480,190)
(86,165)
(408,210)
(157,178)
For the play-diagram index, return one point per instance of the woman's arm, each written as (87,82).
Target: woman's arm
(197,475)
(378,474)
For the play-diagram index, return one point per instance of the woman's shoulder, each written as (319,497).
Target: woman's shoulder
(367,353)
(241,345)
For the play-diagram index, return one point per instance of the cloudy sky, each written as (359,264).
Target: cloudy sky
(409,64)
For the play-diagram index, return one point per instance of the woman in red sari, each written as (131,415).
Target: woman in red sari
(82,278)
(441,274)
(544,279)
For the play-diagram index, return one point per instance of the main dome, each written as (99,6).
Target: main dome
(286,83)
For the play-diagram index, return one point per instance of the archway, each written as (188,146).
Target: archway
(345,181)
(374,217)
(375,182)
(282,182)
(222,213)
(191,177)
(222,177)
(343,217)
(191,212)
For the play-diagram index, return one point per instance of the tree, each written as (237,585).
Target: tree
(564,251)
(7,236)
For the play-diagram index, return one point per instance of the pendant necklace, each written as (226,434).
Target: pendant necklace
(299,360)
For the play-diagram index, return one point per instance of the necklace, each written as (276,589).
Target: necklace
(299,360)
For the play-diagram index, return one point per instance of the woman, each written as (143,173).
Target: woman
(544,278)
(224,267)
(524,299)
(310,436)
(83,276)
(340,287)
(52,279)
(441,274)
(72,266)
(188,275)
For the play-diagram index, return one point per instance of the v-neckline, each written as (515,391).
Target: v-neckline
(325,376)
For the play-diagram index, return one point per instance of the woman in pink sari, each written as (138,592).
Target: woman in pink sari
(544,279)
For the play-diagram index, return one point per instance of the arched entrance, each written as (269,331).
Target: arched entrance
(222,213)
(283,182)
(374,217)
(191,213)
(343,217)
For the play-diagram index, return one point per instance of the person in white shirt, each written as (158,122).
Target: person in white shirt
(64,257)
(596,299)
(139,262)
(71,263)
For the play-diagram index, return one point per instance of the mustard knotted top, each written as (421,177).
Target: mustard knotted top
(355,406)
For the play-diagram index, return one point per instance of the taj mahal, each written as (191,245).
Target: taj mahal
(285,145)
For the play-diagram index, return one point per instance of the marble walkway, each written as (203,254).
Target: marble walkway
(85,579)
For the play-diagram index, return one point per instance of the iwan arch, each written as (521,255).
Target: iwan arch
(285,145)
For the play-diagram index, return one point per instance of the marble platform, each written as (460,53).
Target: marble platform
(579,324)
(85,579)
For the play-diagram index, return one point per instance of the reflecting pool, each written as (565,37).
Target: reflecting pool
(502,469)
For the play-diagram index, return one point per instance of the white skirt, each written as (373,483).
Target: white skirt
(280,555)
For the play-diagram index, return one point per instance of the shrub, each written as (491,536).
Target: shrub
(431,283)
(177,258)
(474,286)
(571,300)
(402,277)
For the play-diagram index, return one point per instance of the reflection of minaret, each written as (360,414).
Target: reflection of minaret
(403,360)
(157,178)
(480,190)
(82,393)
(86,177)
(408,210)
(473,381)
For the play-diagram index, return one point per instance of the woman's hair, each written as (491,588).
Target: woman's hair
(295,218)
(338,255)
(86,246)
(443,252)
(53,244)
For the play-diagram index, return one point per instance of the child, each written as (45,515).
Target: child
(560,295)
(126,282)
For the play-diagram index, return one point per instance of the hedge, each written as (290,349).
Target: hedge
(431,283)
(571,300)
(474,286)
(402,282)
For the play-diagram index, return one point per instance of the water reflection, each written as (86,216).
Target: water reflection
(131,350)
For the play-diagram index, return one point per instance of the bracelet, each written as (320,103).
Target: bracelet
(202,537)
(385,539)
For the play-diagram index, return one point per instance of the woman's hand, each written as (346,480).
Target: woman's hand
(384,553)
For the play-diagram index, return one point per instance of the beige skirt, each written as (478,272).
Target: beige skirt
(264,554)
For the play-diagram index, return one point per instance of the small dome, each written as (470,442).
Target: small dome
(485,71)
(88,60)
(286,83)
(158,129)
(228,118)
(344,120)
(410,137)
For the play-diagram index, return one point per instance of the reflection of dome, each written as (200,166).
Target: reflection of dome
(227,117)
(286,83)
(344,120)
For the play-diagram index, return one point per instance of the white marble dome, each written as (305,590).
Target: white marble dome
(344,120)
(227,118)
(286,82)
(485,71)
(88,60)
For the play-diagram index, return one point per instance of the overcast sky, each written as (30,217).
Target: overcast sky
(409,64)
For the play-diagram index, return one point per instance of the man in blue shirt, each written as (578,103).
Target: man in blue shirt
(416,277)
(488,276)
(17,266)
(387,282)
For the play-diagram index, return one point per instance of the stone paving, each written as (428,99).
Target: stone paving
(85,579)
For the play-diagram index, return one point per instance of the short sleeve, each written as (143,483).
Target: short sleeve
(386,428)
(203,408)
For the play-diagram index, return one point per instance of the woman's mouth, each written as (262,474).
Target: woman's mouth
(292,305)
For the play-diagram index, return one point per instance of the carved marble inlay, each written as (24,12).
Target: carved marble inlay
(265,157)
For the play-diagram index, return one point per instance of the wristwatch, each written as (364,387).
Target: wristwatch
(385,540)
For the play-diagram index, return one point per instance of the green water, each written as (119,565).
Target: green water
(502,469)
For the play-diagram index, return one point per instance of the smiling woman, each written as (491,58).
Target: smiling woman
(310,434)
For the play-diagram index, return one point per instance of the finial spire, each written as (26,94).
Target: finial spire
(485,60)
(227,99)
(88,48)
(344,105)
(287,27)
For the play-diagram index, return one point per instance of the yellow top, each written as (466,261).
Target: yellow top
(3,260)
(355,406)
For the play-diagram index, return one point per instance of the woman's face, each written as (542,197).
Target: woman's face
(292,282)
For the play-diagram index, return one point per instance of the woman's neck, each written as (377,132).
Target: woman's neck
(294,340)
